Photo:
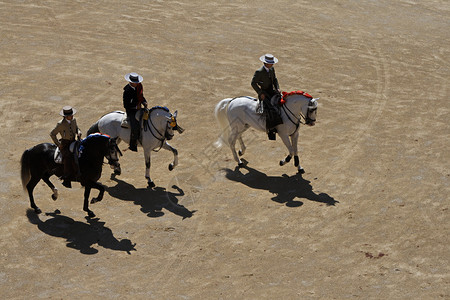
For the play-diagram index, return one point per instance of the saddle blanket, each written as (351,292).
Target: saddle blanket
(125,122)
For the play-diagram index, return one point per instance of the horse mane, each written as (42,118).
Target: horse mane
(158,107)
(286,94)
(85,143)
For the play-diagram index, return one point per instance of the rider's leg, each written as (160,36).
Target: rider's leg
(68,167)
(134,129)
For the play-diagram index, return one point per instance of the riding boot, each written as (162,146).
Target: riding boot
(272,134)
(68,167)
(133,145)
(67,182)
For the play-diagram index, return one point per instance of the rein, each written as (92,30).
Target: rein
(162,137)
(299,119)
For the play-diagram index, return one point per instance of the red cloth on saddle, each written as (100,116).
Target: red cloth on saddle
(286,94)
(140,94)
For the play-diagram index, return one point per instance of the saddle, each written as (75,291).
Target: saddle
(272,112)
(141,116)
(74,148)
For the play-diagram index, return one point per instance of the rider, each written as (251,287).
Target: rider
(265,83)
(68,130)
(133,98)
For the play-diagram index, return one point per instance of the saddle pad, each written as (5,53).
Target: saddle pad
(125,123)
(57,156)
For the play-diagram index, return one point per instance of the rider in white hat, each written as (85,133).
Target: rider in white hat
(133,99)
(265,83)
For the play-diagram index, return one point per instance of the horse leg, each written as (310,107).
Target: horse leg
(286,160)
(101,192)
(243,148)
(30,187)
(147,154)
(288,145)
(294,142)
(46,179)
(232,142)
(87,191)
(175,155)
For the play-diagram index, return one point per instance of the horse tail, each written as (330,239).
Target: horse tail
(222,118)
(93,129)
(25,173)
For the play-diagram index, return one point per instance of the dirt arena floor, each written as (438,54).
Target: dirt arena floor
(368,220)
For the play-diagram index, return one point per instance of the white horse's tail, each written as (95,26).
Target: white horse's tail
(222,118)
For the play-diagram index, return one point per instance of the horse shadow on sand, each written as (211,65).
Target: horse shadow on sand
(285,188)
(152,201)
(79,235)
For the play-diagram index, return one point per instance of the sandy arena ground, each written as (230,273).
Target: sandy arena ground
(368,220)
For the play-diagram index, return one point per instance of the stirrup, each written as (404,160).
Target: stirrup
(259,108)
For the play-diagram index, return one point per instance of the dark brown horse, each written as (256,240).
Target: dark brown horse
(38,163)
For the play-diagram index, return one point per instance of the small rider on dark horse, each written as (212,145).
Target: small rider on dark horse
(68,130)
(265,83)
(133,99)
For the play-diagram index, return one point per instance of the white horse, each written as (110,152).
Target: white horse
(155,131)
(236,115)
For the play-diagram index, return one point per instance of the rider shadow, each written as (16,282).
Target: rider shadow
(79,235)
(286,188)
(152,201)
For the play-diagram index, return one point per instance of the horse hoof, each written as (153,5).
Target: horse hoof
(297,162)
(151,184)
(282,163)
(54,197)
(91,214)
(240,153)
(171,167)
(301,171)
(37,210)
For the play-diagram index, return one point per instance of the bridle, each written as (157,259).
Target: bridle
(112,146)
(312,107)
(171,124)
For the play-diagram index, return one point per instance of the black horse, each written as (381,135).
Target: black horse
(38,163)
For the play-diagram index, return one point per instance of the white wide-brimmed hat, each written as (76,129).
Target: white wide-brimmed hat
(67,111)
(268,59)
(133,77)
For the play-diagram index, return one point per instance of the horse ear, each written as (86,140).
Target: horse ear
(175,114)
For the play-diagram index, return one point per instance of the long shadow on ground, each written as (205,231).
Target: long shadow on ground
(285,188)
(79,235)
(152,201)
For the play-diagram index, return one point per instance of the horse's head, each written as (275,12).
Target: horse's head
(172,125)
(112,155)
(311,113)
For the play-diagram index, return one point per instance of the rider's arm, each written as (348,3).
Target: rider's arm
(255,81)
(54,132)
(275,81)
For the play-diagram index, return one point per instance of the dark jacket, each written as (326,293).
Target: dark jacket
(264,81)
(130,98)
